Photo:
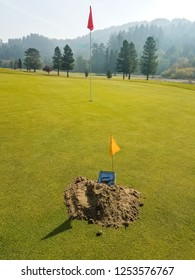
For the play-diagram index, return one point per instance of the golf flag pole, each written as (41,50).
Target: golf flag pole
(114,148)
(90,99)
(90,27)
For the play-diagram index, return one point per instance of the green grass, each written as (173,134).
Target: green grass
(51,133)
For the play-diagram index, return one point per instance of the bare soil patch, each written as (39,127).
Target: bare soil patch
(109,206)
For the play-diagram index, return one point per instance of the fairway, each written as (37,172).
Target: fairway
(50,133)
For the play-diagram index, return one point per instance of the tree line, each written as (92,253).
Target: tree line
(61,61)
(103,61)
(174,40)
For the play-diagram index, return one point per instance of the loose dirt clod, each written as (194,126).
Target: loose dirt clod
(109,206)
(99,233)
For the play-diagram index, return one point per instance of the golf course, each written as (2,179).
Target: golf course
(50,134)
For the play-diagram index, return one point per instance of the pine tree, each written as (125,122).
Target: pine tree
(57,60)
(113,61)
(98,58)
(110,61)
(106,60)
(20,64)
(67,60)
(33,59)
(80,64)
(123,59)
(148,63)
(132,59)
(109,74)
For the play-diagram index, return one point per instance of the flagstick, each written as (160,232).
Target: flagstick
(90,100)
(112,164)
(90,26)
(113,169)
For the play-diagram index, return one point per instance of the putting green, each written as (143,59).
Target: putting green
(51,133)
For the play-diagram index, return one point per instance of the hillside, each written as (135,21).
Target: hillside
(175,42)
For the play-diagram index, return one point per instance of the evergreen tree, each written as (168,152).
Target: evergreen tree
(57,60)
(109,74)
(11,65)
(116,40)
(132,59)
(148,63)
(98,58)
(110,60)
(67,60)
(15,64)
(80,64)
(123,59)
(32,59)
(19,63)
(107,60)
(113,61)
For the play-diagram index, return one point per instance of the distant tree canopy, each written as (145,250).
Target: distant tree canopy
(148,62)
(32,59)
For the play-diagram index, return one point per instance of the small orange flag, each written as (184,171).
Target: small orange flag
(114,148)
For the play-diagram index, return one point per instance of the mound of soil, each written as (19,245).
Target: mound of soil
(109,206)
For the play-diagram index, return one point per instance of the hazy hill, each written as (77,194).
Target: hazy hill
(79,44)
(175,40)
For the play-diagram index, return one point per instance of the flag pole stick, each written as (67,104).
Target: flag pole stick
(90,26)
(112,164)
(111,153)
(90,100)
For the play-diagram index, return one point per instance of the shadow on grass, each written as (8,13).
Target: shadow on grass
(61,228)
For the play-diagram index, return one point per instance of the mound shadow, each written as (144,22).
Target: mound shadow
(61,228)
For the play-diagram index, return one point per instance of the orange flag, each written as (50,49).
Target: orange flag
(90,20)
(114,148)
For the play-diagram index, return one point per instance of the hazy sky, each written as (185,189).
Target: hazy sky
(68,18)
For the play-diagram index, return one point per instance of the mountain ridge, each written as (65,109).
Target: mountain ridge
(160,22)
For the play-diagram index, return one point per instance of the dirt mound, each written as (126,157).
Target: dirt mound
(98,203)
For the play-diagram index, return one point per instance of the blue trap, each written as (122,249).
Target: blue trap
(107,177)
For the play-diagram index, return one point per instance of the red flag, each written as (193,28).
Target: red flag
(90,20)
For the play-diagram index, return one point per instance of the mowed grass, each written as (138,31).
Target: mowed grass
(50,133)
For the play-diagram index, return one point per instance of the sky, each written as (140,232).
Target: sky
(67,19)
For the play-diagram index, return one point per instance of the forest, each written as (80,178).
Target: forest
(175,42)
